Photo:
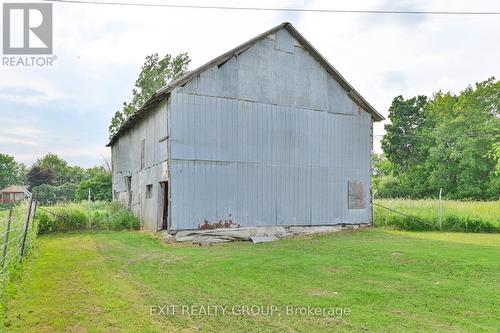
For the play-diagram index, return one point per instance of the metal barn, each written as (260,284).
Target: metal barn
(267,134)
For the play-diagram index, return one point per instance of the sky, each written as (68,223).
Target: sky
(66,109)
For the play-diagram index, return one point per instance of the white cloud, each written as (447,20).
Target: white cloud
(100,51)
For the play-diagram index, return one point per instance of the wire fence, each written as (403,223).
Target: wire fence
(17,233)
(437,215)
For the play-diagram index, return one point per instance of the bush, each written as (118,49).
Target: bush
(50,194)
(74,217)
(100,185)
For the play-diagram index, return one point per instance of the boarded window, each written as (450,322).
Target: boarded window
(357,195)
(143,148)
(149,191)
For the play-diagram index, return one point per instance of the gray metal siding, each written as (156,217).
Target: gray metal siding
(126,159)
(262,164)
(267,138)
(265,74)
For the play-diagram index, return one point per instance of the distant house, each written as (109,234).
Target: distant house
(14,193)
(267,134)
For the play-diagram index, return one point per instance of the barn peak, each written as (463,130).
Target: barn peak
(162,93)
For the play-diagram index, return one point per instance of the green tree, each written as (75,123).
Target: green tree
(99,183)
(155,74)
(62,172)
(11,172)
(405,143)
(449,142)
(50,194)
(465,133)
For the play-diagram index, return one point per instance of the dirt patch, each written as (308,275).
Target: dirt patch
(161,256)
(336,270)
(323,293)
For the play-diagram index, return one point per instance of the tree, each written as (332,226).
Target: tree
(99,183)
(465,133)
(404,143)
(50,194)
(62,172)
(38,176)
(11,172)
(449,142)
(155,74)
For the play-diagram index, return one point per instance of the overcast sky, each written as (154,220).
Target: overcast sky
(66,109)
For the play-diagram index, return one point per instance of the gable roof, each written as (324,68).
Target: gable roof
(161,93)
(15,189)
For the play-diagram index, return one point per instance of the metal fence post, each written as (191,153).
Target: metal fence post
(34,214)
(6,244)
(373,207)
(90,223)
(440,210)
(26,226)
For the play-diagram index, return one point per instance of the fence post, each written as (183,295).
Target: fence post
(373,207)
(90,223)
(440,210)
(34,214)
(6,244)
(26,226)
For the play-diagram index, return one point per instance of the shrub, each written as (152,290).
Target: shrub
(50,194)
(74,217)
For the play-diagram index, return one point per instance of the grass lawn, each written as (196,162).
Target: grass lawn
(390,280)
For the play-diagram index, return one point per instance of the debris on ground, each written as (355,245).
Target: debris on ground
(254,234)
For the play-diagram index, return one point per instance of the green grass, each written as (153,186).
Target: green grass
(391,281)
(473,216)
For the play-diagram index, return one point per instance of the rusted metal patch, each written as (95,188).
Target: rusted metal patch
(218,225)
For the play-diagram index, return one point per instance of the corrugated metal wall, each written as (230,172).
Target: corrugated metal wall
(262,164)
(126,160)
(269,138)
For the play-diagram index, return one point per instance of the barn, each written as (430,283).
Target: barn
(267,134)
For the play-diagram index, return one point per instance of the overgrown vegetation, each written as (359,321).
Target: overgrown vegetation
(11,248)
(423,215)
(447,141)
(73,216)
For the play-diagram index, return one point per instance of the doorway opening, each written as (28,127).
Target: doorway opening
(128,183)
(164,201)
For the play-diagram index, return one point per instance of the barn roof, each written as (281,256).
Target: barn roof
(160,94)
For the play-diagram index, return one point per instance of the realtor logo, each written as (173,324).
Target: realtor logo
(27,28)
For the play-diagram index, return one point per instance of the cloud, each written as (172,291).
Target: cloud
(100,51)
(20,88)
(394,80)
